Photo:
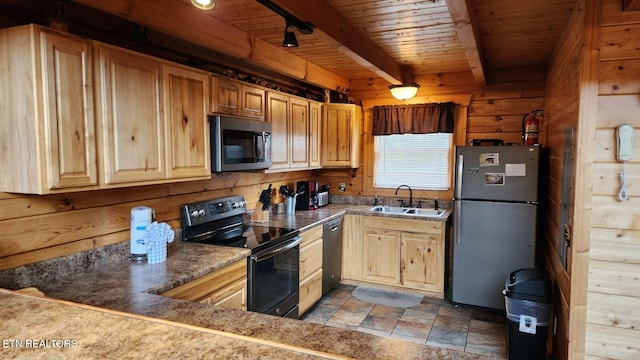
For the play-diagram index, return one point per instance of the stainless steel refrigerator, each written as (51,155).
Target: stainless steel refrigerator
(495,220)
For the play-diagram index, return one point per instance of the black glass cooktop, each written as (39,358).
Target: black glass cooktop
(254,237)
(260,237)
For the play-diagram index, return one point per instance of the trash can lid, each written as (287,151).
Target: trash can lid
(529,284)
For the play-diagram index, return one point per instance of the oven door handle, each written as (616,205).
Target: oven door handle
(269,253)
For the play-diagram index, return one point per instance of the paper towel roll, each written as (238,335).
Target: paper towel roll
(141,216)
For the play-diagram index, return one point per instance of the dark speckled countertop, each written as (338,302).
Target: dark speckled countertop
(114,283)
(304,220)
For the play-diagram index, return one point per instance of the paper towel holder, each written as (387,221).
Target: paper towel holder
(141,216)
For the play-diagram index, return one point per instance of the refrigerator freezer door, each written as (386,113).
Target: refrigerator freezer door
(494,239)
(502,173)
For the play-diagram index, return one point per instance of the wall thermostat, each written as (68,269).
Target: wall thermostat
(624,142)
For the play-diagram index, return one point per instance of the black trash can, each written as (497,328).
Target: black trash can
(528,302)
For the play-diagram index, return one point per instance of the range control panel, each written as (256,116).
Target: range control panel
(211,210)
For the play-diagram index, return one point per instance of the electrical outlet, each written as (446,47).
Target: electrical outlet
(342,187)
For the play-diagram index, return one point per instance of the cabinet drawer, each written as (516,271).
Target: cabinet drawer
(311,235)
(199,288)
(233,296)
(310,291)
(310,258)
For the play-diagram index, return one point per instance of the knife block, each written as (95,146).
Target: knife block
(259,215)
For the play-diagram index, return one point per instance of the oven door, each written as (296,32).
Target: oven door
(274,279)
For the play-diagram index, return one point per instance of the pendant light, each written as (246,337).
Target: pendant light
(404,92)
(204,4)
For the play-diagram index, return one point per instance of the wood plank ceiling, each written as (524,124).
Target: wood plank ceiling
(394,40)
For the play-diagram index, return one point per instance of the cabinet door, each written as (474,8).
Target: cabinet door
(253,102)
(352,251)
(68,90)
(131,121)
(299,133)
(186,96)
(225,96)
(310,291)
(422,261)
(340,136)
(214,287)
(315,116)
(381,256)
(278,115)
(232,297)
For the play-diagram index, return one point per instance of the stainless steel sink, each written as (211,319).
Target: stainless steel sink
(408,211)
(388,209)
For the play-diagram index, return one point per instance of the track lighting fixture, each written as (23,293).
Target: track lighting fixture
(303,27)
(289,38)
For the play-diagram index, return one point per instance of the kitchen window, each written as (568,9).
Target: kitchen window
(421,161)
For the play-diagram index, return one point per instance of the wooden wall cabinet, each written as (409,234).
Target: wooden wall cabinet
(315,134)
(225,95)
(48,131)
(299,134)
(186,94)
(310,289)
(152,119)
(341,134)
(253,102)
(278,116)
(226,287)
(397,252)
(229,96)
(128,88)
(295,132)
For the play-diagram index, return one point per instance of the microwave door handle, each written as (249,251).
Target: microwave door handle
(260,143)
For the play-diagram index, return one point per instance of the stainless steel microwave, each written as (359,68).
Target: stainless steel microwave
(239,144)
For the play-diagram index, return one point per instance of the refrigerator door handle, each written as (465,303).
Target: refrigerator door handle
(458,199)
(459,170)
(456,220)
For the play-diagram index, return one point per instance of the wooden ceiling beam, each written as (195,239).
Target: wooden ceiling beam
(348,39)
(462,14)
(182,20)
(631,5)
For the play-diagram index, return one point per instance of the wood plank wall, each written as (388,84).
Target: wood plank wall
(561,112)
(613,311)
(39,227)
(597,297)
(495,112)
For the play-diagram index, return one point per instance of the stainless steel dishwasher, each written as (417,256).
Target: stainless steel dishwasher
(331,254)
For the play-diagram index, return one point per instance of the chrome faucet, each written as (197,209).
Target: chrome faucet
(410,195)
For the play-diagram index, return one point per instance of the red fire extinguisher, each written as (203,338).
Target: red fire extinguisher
(531,127)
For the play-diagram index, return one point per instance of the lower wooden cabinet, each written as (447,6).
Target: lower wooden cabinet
(233,296)
(381,256)
(310,289)
(226,287)
(397,252)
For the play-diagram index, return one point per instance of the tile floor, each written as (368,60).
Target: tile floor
(434,322)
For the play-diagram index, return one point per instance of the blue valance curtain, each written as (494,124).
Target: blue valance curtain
(413,118)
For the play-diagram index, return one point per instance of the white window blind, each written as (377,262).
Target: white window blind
(418,160)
